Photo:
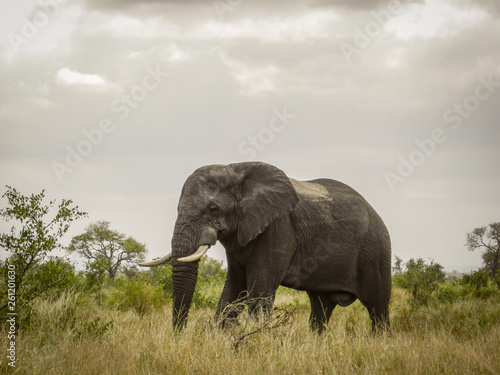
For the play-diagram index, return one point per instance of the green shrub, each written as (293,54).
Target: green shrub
(49,279)
(210,270)
(476,285)
(37,229)
(95,274)
(476,280)
(479,285)
(211,277)
(419,278)
(160,276)
(449,292)
(202,299)
(135,294)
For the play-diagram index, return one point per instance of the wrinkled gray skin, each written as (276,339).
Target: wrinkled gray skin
(319,236)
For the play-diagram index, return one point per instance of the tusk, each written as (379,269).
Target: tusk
(199,253)
(157,262)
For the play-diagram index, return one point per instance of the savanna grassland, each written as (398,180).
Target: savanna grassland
(79,333)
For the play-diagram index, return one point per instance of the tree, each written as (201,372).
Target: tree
(210,270)
(39,234)
(487,238)
(111,249)
(419,278)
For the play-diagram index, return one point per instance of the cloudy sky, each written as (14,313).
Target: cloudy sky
(114,103)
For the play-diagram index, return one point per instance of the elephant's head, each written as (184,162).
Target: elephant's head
(235,202)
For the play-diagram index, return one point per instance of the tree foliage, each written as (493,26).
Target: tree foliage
(210,270)
(419,278)
(136,293)
(488,239)
(107,249)
(38,232)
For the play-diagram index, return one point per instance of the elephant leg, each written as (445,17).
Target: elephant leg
(321,311)
(379,315)
(376,300)
(260,298)
(374,270)
(262,284)
(232,301)
(227,312)
(260,304)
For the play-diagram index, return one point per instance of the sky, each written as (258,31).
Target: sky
(113,104)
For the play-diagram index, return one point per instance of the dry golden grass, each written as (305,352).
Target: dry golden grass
(460,338)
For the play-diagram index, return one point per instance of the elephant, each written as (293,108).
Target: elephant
(318,236)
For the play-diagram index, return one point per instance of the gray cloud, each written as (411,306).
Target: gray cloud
(362,4)
(261,4)
(353,119)
(492,6)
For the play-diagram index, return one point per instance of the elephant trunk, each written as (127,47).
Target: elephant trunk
(184,275)
(184,283)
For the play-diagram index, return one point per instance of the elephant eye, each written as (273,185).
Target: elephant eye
(214,209)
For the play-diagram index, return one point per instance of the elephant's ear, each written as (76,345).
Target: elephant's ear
(266,193)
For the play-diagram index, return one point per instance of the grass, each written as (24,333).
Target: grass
(73,335)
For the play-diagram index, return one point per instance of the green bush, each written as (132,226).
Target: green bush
(210,271)
(37,230)
(160,276)
(95,274)
(203,299)
(135,294)
(450,292)
(476,285)
(476,280)
(49,279)
(479,285)
(419,278)
(211,277)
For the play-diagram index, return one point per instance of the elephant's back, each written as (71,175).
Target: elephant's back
(349,202)
(331,208)
(329,192)
(339,204)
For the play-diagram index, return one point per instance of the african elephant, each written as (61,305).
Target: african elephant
(319,236)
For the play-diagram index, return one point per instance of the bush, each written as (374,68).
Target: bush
(201,299)
(160,276)
(49,279)
(476,280)
(95,274)
(37,232)
(450,292)
(210,270)
(135,294)
(419,278)
(479,285)
(211,277)
(476,285)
